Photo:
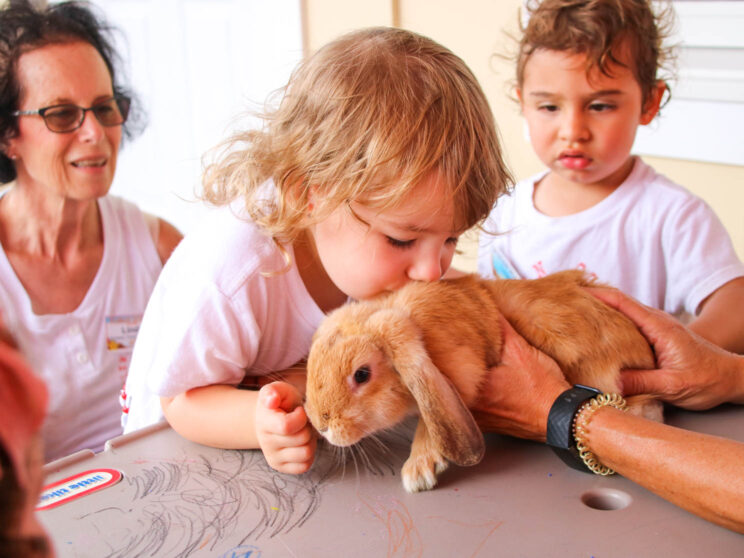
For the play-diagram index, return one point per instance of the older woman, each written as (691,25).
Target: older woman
(77,266)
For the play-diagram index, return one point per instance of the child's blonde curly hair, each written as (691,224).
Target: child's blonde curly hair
(366,118)
(597,29)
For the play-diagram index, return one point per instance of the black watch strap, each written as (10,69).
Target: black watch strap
(560,424)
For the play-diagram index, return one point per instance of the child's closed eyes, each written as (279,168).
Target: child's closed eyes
(403,244)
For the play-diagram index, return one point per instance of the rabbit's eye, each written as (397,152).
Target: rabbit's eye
(362,374)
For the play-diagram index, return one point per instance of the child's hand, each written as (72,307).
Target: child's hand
(283,431)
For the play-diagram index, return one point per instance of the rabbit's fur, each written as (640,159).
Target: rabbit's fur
(428,347)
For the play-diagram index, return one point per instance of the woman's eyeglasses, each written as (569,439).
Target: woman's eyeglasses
(68,118)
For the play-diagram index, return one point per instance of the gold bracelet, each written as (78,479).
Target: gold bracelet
(581,428)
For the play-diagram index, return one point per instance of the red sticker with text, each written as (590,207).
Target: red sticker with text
(76,486)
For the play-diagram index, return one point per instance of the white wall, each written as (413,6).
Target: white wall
(196,65)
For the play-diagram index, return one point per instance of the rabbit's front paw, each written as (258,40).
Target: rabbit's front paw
(420,472)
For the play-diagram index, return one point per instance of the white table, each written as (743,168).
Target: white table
(181,499)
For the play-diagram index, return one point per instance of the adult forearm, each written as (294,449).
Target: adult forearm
(220,416)
(700,473)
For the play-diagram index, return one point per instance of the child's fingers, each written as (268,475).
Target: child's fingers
(284,424)
(297,454)
(299,437)
(294,467)
(279,395)
(295,421)
(268,397)
(274,444)
(291,454)
(288,424)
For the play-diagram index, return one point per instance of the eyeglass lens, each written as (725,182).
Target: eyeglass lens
(65,118)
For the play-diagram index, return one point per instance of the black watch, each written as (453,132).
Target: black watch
(560,424)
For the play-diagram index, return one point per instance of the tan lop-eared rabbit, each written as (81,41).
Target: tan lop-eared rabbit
(428,347)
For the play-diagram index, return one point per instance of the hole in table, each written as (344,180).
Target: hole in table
(606,499)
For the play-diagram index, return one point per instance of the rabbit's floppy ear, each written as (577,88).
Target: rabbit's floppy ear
(450,424)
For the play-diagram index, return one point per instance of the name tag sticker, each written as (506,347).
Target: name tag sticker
(121,331)
(76,486)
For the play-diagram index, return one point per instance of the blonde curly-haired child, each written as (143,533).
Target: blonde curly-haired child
(381,153)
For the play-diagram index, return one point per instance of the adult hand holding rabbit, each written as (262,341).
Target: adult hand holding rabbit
(701,473)
(520,390)
(692,372)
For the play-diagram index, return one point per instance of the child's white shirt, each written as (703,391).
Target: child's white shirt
(225,305)
(651,238)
